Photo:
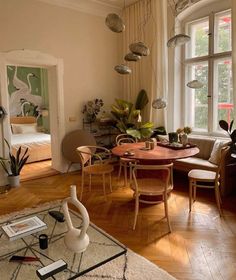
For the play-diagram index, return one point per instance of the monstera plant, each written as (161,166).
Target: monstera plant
(129,119)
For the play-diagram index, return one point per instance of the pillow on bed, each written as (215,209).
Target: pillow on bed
(24,128)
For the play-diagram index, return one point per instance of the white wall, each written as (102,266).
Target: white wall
(88,48)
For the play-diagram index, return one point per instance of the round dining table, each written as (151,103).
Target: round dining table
(158,155)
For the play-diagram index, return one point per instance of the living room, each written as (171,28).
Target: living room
(71,40)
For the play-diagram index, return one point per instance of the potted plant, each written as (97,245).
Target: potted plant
(14,164)
(128,117)
(91,109)
(183,134)
(232,134)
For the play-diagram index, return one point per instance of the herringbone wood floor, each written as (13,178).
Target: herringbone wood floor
(201,246)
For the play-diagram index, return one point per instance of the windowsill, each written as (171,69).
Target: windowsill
(220,136)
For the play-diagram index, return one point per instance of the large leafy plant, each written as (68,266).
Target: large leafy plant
(128,116)
(14,164)
(228,128)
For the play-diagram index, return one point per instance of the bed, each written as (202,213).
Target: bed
(25,134)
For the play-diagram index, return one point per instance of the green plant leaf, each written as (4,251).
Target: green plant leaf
(8,145)
(147,125)
(231,125)
(224,125)
(146,132)
(142,100)
(233,136)
(22,164)
(121,126)
(4,167)
(134,133)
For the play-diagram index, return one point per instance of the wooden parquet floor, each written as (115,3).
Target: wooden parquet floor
(36,170)
(201,246)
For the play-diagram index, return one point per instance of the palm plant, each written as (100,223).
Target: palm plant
(14,164)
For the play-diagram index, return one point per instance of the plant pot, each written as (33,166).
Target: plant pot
(14,181)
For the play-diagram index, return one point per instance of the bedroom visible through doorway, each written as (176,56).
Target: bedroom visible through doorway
(29,117)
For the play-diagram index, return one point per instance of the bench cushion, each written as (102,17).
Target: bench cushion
(186,164)
(216,151)
(205,146)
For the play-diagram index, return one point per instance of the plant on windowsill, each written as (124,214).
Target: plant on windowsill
(14,164)
(183,134)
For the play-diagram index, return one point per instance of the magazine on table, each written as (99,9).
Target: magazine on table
(23,228)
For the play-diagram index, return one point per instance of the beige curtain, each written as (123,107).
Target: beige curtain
(146,21)
(234,53)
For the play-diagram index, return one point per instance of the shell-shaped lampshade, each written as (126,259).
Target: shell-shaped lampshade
(159,103)
(195,84)
(132,57)
(115,23)
(122,69)
(178,40)
(139,48)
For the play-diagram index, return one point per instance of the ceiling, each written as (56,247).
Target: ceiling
(103,7)
(117,3)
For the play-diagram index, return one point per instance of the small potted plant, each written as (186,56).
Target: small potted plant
(14,164)
(183,134)
(91,109)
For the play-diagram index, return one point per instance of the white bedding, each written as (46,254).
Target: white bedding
(39,145)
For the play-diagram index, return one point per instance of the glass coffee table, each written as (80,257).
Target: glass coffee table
(102,249)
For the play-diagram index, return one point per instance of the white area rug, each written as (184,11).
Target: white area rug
(126,267)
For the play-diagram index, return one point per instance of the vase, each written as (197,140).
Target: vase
(183,139)
(76,239)
(14,181)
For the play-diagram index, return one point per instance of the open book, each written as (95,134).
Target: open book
(24,227)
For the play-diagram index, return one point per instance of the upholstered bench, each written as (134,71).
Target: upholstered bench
(208,159)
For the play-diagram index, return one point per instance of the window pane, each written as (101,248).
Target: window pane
(223,91)
(197,100)
(198,31)
(223,32)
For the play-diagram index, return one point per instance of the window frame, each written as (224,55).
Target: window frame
(210,59)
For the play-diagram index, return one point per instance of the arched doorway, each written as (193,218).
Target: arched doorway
(54,66)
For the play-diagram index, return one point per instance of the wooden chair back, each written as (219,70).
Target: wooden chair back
(123,136)
(164,167)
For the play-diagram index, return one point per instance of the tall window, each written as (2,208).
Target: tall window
(208,60)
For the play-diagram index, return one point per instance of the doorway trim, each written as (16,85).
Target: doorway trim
(31,58)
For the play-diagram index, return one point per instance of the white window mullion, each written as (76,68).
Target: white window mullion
(211,75)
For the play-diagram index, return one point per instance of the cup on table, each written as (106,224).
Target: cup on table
(147,144)
(151,145)
(173,137)
(43,241)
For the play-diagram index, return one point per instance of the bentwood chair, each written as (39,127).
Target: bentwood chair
(146,185)
(206,179)
(124,162)
(102,167)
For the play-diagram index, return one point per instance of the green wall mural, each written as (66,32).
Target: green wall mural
(28,93)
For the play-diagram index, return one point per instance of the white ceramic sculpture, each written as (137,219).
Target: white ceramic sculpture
(75,239)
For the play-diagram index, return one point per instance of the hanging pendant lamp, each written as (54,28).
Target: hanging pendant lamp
(195,84)
(139,48)
(178,40)
(115,23)
(159,103)
(122,69)
(132,57)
